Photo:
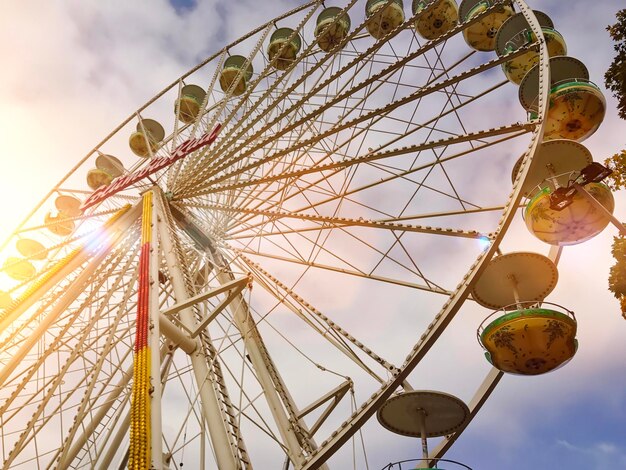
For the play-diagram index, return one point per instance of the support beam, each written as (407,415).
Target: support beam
(67,265)
(334,397)
(233,288)
(478,400)
(66,299)
(238,284)
(296,436)
(264,369)
(145,415)
(232,295)
(177,337)
(104,461)
(100,414)
(614,220)
(225,455)
(118,440)
(154,334)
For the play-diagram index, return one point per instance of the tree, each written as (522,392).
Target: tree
(615,80)
(617,274)
(615,76)
(617,163)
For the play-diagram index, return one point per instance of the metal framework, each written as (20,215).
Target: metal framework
(253,257)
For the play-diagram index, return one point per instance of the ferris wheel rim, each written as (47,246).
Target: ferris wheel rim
(509,208)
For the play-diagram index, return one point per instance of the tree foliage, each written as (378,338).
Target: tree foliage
(617,179)
(615,80)
(617,275)
(615,76)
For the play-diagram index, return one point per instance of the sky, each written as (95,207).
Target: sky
(73,69)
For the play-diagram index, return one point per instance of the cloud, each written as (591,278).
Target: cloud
(597,455)
(74,70)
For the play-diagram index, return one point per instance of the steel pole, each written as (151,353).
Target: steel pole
(246,326)
(266,373)
(67,298)
(156,434)
(64,270)
(100,415)
(103,461)
(421,417)
(211,409)
(294,432)
(614,220)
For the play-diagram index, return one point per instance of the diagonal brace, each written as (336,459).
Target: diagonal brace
(335,395)
(233,288)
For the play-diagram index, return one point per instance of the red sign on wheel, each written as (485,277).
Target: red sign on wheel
(122,182)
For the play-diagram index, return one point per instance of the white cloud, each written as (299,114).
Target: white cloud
(73,70)
(597,455)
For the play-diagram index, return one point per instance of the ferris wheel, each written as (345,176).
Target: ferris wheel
(267,253)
